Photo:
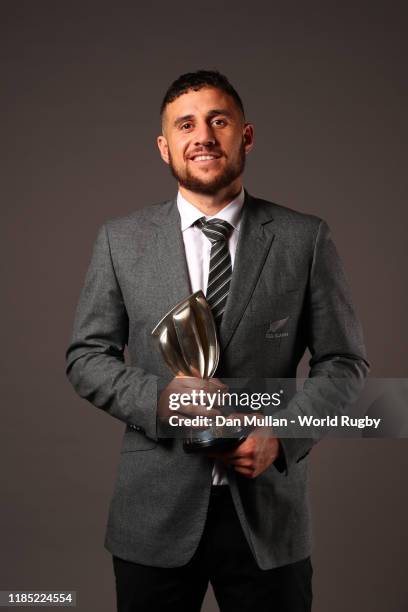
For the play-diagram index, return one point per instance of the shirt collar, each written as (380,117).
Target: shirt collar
(189,214)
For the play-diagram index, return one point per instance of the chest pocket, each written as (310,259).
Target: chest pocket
(276,307)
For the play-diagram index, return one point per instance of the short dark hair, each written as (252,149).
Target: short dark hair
(196,81)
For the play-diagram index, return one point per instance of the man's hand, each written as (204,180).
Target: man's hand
(187,384)
(253,456)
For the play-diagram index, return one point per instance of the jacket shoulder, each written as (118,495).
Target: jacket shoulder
(290,216)
(287,221)
(138,220)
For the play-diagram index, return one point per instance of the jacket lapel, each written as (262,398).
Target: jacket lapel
(171,273)
(255,239)
(172,279)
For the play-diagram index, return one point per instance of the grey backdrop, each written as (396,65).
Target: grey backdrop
(325,85)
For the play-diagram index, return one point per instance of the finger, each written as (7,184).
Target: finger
(216,382)
(245,449)
(245,472)
(192,410)
(190,382)
(235,453)
(202,383)
(244,463)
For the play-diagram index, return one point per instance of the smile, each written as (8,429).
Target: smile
(197,158)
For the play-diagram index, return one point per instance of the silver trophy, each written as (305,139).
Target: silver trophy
(187,337)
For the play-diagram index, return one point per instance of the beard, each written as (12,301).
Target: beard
(186,179)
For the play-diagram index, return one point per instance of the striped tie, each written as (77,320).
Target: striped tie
(219,276)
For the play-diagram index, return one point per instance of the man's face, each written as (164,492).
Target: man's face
(205,140)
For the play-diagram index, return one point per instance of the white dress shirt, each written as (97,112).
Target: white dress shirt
(198,249)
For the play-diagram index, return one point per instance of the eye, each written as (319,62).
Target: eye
(219,122)
(186,126)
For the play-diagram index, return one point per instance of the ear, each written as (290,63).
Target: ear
(163,148)
(248,137)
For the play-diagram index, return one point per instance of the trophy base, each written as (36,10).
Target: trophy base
(213,440)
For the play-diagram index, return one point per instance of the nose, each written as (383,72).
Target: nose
(204,135)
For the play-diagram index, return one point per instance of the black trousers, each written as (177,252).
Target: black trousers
(223,558)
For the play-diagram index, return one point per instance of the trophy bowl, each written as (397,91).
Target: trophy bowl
(187,338)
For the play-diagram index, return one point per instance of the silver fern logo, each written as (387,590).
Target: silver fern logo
(276,327)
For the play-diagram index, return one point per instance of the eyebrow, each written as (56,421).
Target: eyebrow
(212,113)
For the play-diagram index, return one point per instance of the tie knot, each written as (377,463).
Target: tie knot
(216,230)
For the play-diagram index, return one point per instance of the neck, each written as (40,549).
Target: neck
(210,205)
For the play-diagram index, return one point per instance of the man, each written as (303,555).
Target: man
(240,519)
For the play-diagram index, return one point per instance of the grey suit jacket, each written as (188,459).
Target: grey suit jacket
(286,266)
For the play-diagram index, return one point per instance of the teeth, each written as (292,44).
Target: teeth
(204,157)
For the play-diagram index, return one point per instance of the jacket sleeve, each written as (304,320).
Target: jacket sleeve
(95,363)
(338,364)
